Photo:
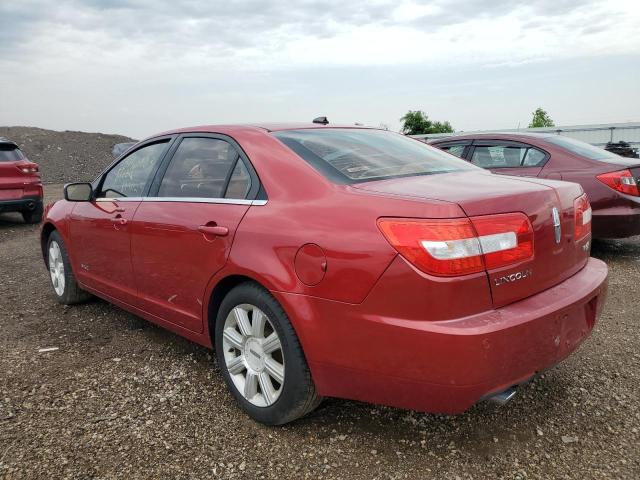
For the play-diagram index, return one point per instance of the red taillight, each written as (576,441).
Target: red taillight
(622,181)
(582,216)
(513,223)
(461,246)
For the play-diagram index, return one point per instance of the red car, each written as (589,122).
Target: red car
(610,181)
(334,261)
(20,184)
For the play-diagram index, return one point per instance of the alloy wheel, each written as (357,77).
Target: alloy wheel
(253,355)
(56,268)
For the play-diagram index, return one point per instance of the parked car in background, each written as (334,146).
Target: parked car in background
(20,183)
(610,181)
(327,261)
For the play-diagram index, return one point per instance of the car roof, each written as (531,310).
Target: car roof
(7,141)
(265,127)
(494,136)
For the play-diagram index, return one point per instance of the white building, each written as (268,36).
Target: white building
(598,135)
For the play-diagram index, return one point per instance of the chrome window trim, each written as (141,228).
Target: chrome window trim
(224,201)
(119,199)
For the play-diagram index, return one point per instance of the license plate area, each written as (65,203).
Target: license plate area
(10,194)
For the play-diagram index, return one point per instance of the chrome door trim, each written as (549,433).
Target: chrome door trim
(224,201)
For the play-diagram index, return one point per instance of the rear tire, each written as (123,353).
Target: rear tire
(63,281)
(261,359)
(33,216)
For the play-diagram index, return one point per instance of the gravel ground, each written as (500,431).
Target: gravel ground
(121,398)
(65,156)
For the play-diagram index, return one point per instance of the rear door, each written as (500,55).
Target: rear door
(508,158)
(182,234)
(100,230)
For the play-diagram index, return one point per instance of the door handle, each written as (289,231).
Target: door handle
(118,220)
(214,229)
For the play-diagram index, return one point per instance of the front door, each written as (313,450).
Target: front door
(182,236)
(101,229)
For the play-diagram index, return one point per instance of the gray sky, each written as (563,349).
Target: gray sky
(139,67)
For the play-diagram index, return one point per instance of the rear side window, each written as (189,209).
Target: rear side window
(534,158)
(583,149)
(10,153)
(205,168)
(131,175)
(507,156)
(359,155)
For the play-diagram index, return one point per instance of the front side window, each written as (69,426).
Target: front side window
(10,153)
(357,155)
(131,175)
(456,150)
(205,168)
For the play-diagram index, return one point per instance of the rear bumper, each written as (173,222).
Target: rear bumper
(612,224)
(444,366)
(24,204)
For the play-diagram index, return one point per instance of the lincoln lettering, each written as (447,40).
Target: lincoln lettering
(514,277)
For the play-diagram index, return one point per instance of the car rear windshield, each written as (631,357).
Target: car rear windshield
(10,153)
(584,149)
(359,155)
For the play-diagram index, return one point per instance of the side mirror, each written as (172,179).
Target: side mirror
(78,192)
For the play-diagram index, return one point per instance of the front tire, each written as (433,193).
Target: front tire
(261,359)
(63,281)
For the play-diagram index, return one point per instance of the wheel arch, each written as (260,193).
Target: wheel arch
(220,290)
(47,229)
(222,286)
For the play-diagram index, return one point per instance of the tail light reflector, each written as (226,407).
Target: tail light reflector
(622,181)
(29,169)
(582,216)
(462,246)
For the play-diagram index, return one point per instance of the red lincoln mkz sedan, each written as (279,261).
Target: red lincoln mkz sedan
(334,261)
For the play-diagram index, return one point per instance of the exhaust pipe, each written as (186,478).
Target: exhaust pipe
(503,398)
(31,205)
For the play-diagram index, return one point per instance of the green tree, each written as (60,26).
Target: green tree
(541,119)
(417,122)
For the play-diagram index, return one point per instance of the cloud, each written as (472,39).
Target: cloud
(139,66)
(311,32)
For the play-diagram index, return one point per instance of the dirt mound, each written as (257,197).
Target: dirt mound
(65,156)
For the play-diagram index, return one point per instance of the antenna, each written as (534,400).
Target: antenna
(321,120)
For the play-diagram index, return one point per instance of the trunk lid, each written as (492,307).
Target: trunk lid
(12,176)
(483,193)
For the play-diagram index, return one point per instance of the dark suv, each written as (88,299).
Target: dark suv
(20,183)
